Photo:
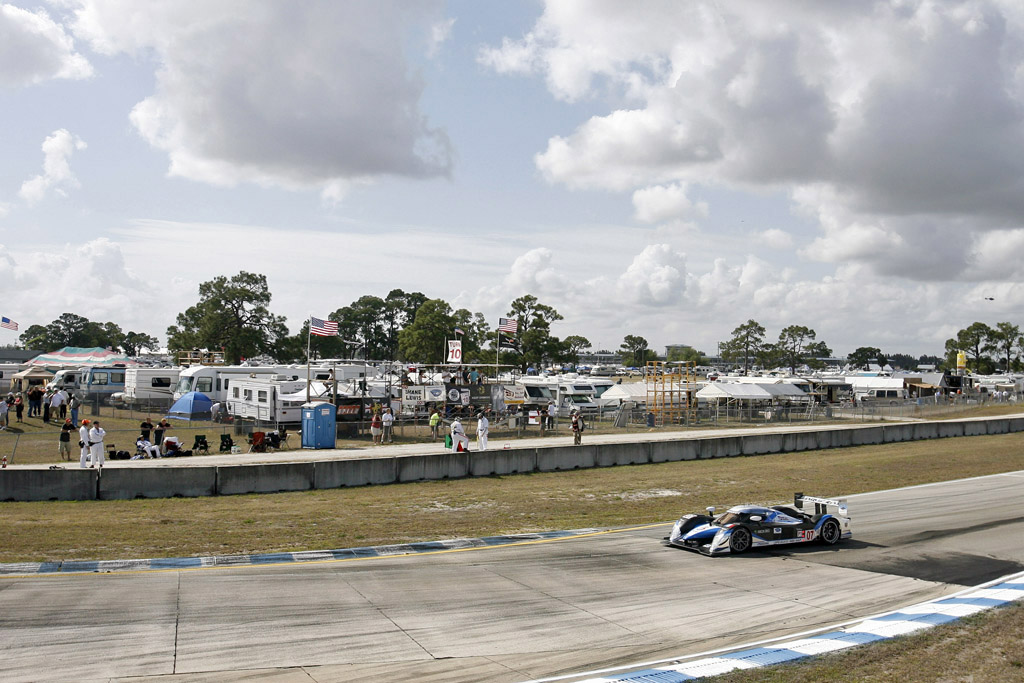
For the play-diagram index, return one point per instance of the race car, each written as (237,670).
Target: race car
(743,527)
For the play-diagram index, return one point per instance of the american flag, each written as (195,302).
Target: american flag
(323,328)
(8,324)
(458,330)
(510,325)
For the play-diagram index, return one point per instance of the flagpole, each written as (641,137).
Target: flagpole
(309,337)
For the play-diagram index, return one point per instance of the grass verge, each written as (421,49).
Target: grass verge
(399,513)
(985,647)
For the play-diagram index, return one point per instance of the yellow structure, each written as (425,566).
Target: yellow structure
(668,392)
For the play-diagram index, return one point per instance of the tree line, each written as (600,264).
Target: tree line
(233,315)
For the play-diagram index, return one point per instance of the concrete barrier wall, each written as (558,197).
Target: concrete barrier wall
(151,482)
(333,474)
(433,467)
(800,441)
(760,444)
(285,476)
(126,483)
(512,461)
(673,451)
(950,429)
(29,485)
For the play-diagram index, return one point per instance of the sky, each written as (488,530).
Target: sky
(666,169)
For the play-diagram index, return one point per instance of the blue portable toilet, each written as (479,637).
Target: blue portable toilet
(319,425)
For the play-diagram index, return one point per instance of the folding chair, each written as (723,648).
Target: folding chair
(283,434)
(226,443)
(258,442)
(200,445)
(273,441)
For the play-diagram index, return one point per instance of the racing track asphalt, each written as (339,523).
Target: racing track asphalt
(512,613)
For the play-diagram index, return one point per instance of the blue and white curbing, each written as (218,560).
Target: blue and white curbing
(880,627)
(103,566)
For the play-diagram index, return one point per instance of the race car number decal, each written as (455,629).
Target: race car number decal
(807,534)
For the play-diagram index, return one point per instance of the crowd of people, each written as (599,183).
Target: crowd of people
(51,405)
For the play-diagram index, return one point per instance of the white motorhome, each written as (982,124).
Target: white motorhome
(143,385)
(214,380)
(568,392)
(6,370)
(878,389)
(270,398)
(69,379)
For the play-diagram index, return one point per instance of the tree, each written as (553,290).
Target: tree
(476,333)
(863,356)
(423,340)
(974,341)
(746,343)
(536,342)
(232,315)
(133,343)
(574,344)
(362,322)
(1005,338)
(635,351)
(797,346)
(399,311)
(69,330)
(34,337)
(682,354)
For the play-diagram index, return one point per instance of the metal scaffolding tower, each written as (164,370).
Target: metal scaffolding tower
(668,392)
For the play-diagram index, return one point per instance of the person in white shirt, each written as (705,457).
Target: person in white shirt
(388,421)
(96,435)
(460,442)
(481,432)
(147,447)
(552,411)
(215,412)
(83,438)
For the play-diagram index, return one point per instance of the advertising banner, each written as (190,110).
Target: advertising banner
(454,351)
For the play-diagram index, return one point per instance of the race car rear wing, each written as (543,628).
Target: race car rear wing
(821,505)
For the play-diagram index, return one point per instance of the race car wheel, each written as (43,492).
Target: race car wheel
(830,532)
(739,541)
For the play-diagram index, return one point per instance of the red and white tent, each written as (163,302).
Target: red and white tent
(76,356)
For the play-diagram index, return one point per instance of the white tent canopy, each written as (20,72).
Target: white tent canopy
(732,392)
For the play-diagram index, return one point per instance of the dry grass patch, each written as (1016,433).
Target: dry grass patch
(988,646)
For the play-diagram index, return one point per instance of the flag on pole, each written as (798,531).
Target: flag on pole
(510,325)
(506,341)
(458,330)
(323,328)
(8,324)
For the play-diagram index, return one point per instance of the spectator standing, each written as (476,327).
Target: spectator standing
(158,434)
(74,404)
(577,427)
(551,414)
(482,427)
(83,441)
(46,408)
(64,444)
(96,435)
(19,407)
(435,423)
(57,405)
(4,414)
(145,428)
(388,423)
(376,427)
(474,376)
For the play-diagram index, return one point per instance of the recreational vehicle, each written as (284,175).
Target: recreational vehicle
(214,380)
(149,385)
(6,370)
(565,393)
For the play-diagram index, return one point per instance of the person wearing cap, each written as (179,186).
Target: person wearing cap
(96,435)
(83,441)
(64,442)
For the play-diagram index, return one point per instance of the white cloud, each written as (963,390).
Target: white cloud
(896,125)
(440,32)
(56,175)
(255,92)
(91,279)
(34,48)
(665,202)
(657,276)
(774,238)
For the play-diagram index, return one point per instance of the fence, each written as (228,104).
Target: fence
(42,447)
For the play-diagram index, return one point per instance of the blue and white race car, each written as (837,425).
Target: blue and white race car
(752,526)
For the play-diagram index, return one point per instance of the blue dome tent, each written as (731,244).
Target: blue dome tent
(191,406)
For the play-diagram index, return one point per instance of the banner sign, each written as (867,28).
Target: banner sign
(515,394)
(434,393)
(454,351)
(412,396)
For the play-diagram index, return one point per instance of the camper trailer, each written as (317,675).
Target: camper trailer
(100,383)
(149,385)
(568,393)
(270,398)
(215,380)
(6,370)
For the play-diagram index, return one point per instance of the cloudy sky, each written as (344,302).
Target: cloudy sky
(663,168)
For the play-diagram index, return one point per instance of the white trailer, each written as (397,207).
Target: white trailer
(215,380)
(144,385)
